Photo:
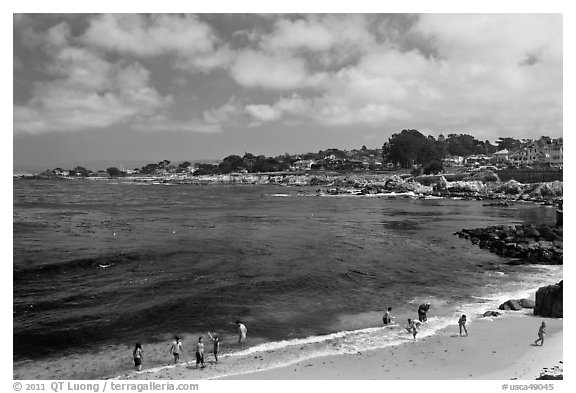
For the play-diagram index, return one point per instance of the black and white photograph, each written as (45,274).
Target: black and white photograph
(268,196)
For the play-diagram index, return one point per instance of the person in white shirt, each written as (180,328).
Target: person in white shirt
(242,330)
(176,349)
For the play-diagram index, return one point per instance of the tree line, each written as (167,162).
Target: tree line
(406,149)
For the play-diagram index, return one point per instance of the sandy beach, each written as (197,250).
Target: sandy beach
(499,348)
(496,349)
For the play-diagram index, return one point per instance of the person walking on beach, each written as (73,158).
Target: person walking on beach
(462,324)
(387,318)
(422,310)
(138,355)
(541,333)
(242,330)
(176,349)
(216,341)
(412,327)
(200,352)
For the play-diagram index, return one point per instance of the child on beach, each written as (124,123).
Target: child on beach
(462,324)
(138,356)
(242,330)
(387,318)
(200,352)
(541,333)
(412,327)
(176,349)
(216,341)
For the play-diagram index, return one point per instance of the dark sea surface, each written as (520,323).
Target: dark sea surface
(98,263)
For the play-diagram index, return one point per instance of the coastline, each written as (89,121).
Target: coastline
(497,348)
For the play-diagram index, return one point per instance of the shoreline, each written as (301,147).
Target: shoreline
(497,348)
(490,352)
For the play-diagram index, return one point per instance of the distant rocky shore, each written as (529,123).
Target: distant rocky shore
(481,185)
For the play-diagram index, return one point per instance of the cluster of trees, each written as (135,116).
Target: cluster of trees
(248,163)
(410,148)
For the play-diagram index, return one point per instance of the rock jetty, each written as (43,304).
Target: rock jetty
(526,243)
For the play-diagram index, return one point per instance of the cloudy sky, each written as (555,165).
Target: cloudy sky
(168,86)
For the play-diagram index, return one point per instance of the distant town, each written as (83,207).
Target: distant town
(409,150)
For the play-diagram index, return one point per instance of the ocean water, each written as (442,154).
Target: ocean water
(99,263)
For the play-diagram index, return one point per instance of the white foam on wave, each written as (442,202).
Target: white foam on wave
(275,345)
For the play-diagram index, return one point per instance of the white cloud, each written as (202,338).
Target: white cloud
(186,37)
(302,33)
(263,113)
(495,72)
(256,69)
(149,36)
(88,92)
(495,38)
(225,114)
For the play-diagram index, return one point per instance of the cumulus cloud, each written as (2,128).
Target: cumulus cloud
(87,91)
(257,69)
(186,37)
(496,72)
(226,114)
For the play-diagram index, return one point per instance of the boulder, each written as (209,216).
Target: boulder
(510,187)
(549,301)
(526,303)
(395,183)
(512,304)
(441,185)
(491,314)
(466,186)
(547,190)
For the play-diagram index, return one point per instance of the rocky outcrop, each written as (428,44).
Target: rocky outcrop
(526,243)
(510,187)
(491,314)
(527,303)
(513,305)
(549,301)
(516,304)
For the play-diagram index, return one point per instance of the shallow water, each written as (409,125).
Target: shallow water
(98,263)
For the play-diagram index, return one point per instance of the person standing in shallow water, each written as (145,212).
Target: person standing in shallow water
(387,318)
(200,352)
(242,330)
(462,324)
(412,327)
(138,355)
(422,311)
(216,341)
(541,333)
(176,349)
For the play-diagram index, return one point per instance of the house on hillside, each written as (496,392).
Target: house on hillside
(549,152)
(501,155)
(302,165)
(453,161)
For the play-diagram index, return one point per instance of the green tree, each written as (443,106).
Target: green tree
(407,148)
(114,172)
(433,167)
(80,171)
(232,163)
(508,143)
